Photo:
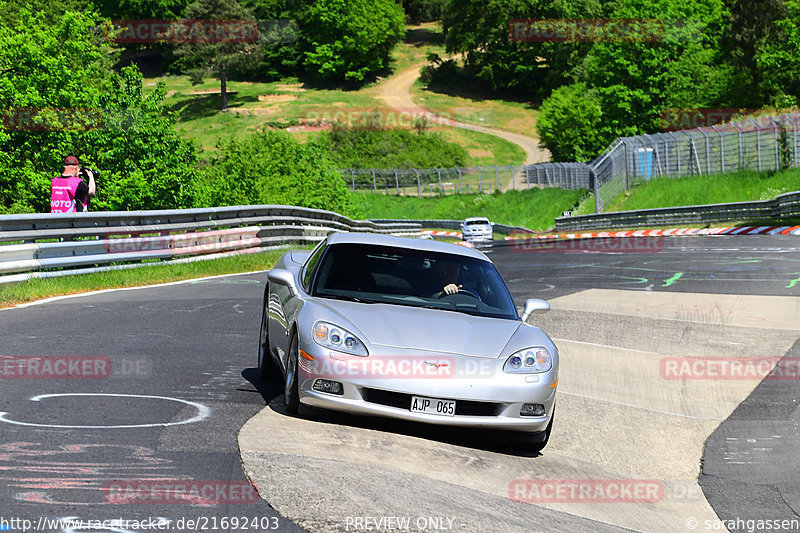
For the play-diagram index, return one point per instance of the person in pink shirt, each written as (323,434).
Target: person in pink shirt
(68,192)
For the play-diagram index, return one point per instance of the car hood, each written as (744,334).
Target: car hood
(427,330)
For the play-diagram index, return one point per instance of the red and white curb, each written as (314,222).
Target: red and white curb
(746,230)
(432,233)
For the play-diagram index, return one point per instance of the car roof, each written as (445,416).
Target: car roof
(476,219)
(378,239)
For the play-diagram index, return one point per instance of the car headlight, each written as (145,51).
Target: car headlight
(529,361)
(337,338)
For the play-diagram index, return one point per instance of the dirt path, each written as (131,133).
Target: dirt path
(396,92)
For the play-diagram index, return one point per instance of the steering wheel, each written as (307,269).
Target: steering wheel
(461,290)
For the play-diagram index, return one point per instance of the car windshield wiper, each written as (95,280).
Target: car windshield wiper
(350,298)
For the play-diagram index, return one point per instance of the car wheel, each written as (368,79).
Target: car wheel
(540,439)
(291,391)
(266,364)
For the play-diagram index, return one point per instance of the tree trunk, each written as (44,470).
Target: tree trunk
(223,80)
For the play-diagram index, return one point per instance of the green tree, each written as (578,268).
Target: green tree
(217,56)
(569,123)
(479,30)
(346,41)
(753,30)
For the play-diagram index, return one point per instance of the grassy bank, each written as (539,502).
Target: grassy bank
(742,186)
(37,289)
(534,208)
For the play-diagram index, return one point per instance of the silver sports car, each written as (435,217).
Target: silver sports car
(409,329)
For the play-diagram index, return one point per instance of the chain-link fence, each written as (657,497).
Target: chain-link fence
(429,181)
(765,143)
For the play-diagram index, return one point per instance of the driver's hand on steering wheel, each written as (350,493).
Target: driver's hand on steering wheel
(452,288)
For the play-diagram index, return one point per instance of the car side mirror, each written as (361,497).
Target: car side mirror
(281,276)
(534,305)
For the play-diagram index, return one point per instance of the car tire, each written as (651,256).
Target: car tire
(267,369)
(539,440)
(291,390)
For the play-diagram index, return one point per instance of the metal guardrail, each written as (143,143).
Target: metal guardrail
(783,206)
(502,229)
(52,245)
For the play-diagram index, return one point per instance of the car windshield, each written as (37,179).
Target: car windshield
(379,274)
(477,222)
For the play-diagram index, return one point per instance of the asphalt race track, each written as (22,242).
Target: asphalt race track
(171,381)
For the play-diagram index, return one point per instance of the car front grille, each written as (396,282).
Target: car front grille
(403,401)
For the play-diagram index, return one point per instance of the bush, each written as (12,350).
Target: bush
(569,122)
(391,148)
(270,167)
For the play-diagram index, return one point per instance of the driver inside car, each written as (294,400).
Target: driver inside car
(447,275)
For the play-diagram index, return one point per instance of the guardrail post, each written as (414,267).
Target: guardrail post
(419,189)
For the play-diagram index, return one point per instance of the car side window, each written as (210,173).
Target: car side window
(308,269)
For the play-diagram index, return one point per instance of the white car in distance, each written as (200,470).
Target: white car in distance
(477,229)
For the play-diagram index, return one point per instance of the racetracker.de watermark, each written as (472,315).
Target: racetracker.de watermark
(344,366)
(729,368)
(676,119)
(541,30)
(636,245)
(195,31)
(369,119)
(55,366)
(586,490)
(179,491)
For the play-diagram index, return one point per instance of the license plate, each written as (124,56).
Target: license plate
(433,406)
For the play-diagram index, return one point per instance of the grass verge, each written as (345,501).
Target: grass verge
(744,186)
(37,289)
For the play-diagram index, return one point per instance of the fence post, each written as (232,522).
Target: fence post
(419,188)
(796,119)
(777,144)
(593,183)
(741,146)
(441,188)
(496,178)
(677,151)
(625,155)
(459,181)
(353,172)
(513,183)
(396,180)
(374,184)
(721,149)
(527,177)
(758,142)
(480,189)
